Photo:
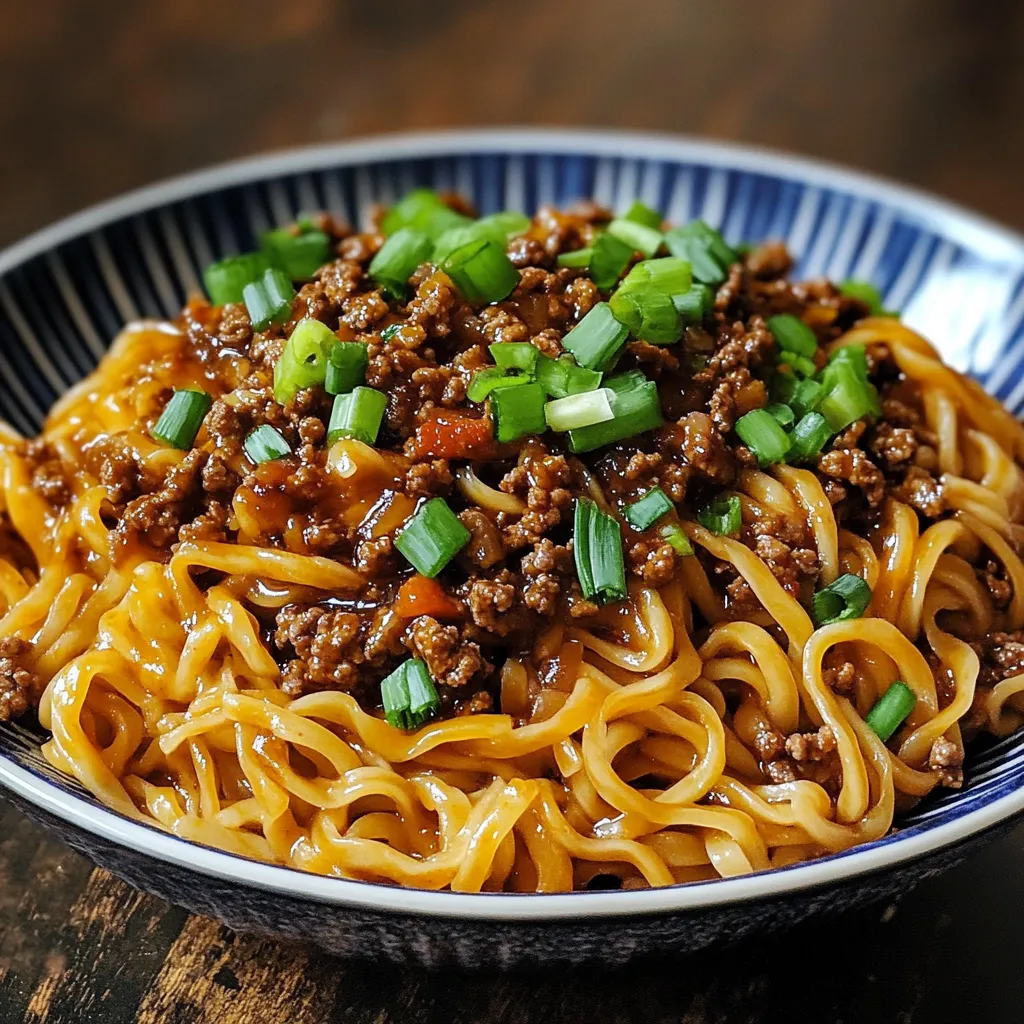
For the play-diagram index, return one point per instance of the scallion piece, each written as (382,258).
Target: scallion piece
(641,213)
(518,411)
(809,436)
(638,237)
(432,537)
(561,377)
(846,598)
(793,334)
(268,299)
(597,339)
(346,366)
(398,259)
(761,433)
(782,413)
(357,414)
(300,255)
(668,274)
(303,361)
(855,355)
(783,386)
(673,534)
(182,417)
(867,293)
(597,549)
(610,257)
(648,313)
(481,271)
(695,304)
(806,397)
(722,516)
(649,509)
(505,223)
(515,355)
(493,377)
(422,210)
(849,396)
(891,710)
(577,411)
(800,365)
(704,249)
(409,695)
(226,280)
(576,258)
(636,408)
(265,444)
(390,331)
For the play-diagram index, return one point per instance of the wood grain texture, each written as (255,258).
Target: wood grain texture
(104,96)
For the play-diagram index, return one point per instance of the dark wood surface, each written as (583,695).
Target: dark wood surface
(102,96)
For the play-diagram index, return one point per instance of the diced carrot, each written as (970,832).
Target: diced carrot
(452,435)
(419,595)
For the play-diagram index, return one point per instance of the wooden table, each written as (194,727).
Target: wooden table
(100,97)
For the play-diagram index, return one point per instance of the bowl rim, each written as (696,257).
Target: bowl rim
(986,236)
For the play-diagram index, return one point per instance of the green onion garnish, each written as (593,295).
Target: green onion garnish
(498,228)
(561,377)
(809,436)
(504,224)
(722,516)
(793,334)
(856,355)
(268,299)
(303,361)
(846,598)
(868,294)
(848,395)
(673,534)
(782,413)
(695,304)
(226,280)
(432,537)
(346,366)
(398,259)
(891,710)
(668,274)
(649,509)
(648,313)
(518,411)
(639,237)
(704,249)
(761,433)
(636,408)
(576,258)
(515,355)
(597,548)
(491,378)
(577,411)
(597,339)
(481,271)
(299,256)
(265,444)
(641,213)
(806,397)
(357,414)
(422,210)
(408,695)
(182,417)
(390,331)
(610,258)
(800,365)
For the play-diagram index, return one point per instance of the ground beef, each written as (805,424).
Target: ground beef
(895,446)
(325,648)
(811,746)
(922,491)
(49,478)
(840,678)
(993,577)
(1001,656)
(20,687)
(490,601)
(450,660)
(946,759)
(432,477)
(853,466)
(542,479)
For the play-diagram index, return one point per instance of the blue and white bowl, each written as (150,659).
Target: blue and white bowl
(65,292)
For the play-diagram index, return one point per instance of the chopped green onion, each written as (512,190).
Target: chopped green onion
(300,256)
(226,280)
(390,331)
(610,258)
(498,228)
(432,537)
(800,365)
(891,710)
(182,417)
(576,258)
(422,210)
(846,598)
(577,411)
(515,355)
(597,339)
(695,304)
(856,355)
(649,314)
(491,378)
(265,444)
(636,408)
(793,334)
(409,695)
(722,516)
(505,223)
(809,436)
(481,271)
(868,294)
(673,534)
(562,377)
(783,386)
(807,395)
(638,237)
(357,414)
(346,366)
(303,361)
(782,413)
(761,433)
(704,249)
(849,396)
(268,299)
(641,213)
(398,259)
(649,509)
(518,411)
(597,548)
(668,274)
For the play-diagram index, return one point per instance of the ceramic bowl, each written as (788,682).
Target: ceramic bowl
(65,292)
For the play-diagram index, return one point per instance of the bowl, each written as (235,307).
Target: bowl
(65,291)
